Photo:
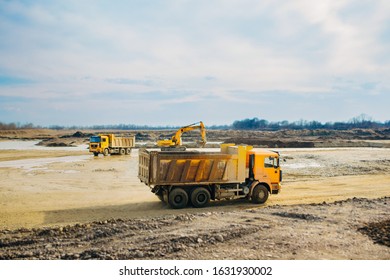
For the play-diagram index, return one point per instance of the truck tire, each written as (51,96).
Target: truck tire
(200,197)
(95,154)
(128,151)
(122,152)
(105,152)
(178,198)
(260,194)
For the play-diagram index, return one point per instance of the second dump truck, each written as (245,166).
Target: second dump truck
(110,144)
(194,178)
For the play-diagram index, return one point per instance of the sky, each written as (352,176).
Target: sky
(178,62)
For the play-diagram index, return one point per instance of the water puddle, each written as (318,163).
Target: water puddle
(40,163)
(32,145)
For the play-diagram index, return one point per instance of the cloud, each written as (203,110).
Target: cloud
(173,53)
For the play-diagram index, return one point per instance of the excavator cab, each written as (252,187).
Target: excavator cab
(175,143)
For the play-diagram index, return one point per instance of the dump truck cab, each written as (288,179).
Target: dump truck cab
(263,166)
(98,143)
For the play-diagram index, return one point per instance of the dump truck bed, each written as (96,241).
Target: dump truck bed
(192,167)
(122,142)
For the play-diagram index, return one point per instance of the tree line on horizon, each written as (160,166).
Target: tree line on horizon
(362,122)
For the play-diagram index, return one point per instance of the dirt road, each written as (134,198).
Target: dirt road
(58,189)
(81,188)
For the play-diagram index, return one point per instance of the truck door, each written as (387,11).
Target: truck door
(104,142)
(271,165)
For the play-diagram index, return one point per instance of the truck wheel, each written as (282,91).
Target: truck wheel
(200,197)
(122,151)
(178,198)
(260,194)
(128,151)
(105,152)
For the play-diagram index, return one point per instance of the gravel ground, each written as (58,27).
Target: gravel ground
(351,229)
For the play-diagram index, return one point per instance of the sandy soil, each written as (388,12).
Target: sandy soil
(81,206)
(80,188)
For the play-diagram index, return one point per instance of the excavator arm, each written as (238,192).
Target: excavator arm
(176,138)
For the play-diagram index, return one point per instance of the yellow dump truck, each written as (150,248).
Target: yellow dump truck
(181,178)
(110,144)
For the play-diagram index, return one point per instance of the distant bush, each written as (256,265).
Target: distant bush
(11,126)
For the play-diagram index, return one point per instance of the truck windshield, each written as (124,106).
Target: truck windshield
(94,139)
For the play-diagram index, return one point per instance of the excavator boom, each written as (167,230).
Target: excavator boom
(176,138)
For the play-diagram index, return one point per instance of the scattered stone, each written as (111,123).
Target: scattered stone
(219,238)
(379,232)
(301,216)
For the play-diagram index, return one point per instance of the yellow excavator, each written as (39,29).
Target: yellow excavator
(175,142)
